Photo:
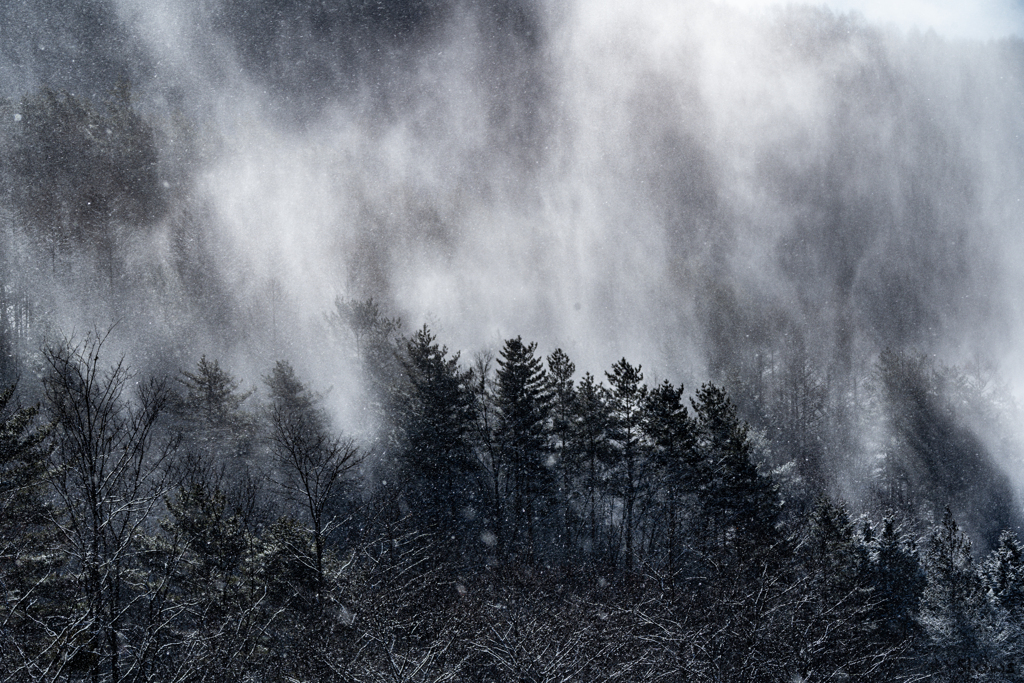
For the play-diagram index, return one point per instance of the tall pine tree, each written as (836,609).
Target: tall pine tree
(438,411)
(524,405)
(629,465)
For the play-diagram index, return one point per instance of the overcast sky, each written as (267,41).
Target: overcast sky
(955,18)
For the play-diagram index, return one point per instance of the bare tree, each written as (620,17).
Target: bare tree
(548,646)
(106,474)
(313,462)
(410,626)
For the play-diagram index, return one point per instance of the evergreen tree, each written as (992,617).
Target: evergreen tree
(216,430)
(483,438)
(212,539)
(284,567)
(23,464)
(524,405)
(24,537)
(218,437)
(563,411)
(1004,576)
(836,634)
(933,459)
(437,421)
(212,400)
(955,612)
(591,435)
(629,465)
(741,504)
(373,338)
(83,172)
(899,580)
(800,412)
(668,426)
(198,571)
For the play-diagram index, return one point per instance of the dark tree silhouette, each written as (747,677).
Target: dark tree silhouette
(434,439)
(529,468)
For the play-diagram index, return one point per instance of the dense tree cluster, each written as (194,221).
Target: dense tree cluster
(513,523)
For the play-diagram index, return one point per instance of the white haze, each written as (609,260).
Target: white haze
(979,19)
(654,166)
(517,249)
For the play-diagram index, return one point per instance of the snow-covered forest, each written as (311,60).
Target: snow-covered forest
(509,523)
(506,340)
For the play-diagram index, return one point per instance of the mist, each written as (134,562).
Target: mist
(515,169)
(695,186)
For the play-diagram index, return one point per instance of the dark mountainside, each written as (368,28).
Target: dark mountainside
(233,450)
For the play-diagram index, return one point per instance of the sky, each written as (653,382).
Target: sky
(973,19)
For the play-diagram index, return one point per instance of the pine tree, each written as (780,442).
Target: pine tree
(437,421)
(742,504)
(211,536)
(23,454)
(217,433)
(899,580)
(24,537)
(563,410)
(955,611)
(933,458)
(374,341)
(84,173)
(668,426)
(1004,576)
(219,439)
(591,436)
(198,571)
(630,463)
(212,399)
(524,405)
(835,632)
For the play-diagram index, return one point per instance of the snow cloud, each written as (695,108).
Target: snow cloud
(980,19)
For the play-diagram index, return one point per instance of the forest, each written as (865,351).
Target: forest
(305,314)
(509,522)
